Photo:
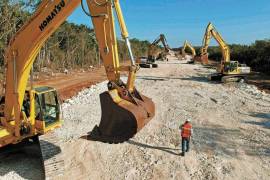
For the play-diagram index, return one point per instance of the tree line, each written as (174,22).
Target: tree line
(71,46)
(74,46)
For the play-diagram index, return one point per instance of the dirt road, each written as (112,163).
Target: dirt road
(68,85)
(231,132)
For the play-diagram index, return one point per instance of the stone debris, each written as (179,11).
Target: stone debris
(231,137)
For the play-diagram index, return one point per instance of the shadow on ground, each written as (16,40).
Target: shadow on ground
(156,78)
(165,149)
(210,67)
(261,115)
(196,78)
(191,78)
(151,78)
(12,159)
(265,122)
(228,142)
(166,62)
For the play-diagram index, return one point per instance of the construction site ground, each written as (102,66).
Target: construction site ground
(231,137)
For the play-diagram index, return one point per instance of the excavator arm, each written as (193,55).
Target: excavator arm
(164,42)
(187,44)
(212,32)
(152,50)
(125,110)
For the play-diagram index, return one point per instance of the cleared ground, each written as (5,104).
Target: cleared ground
(68,85)
(231,132)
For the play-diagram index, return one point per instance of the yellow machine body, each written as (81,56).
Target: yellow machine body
(188,45)
(227,69)
(20,55)
(41,109)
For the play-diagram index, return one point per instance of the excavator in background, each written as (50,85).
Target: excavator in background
(29,113)
(227,71)
(155,53)
(188,45)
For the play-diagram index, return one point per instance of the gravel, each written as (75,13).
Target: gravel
(231,131)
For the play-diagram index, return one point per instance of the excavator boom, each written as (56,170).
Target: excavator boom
(163,40)
(188,45)
(152,47)
(212,32)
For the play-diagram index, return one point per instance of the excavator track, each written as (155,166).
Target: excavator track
(233,78)
(53,159)
(227,78)
(148,65)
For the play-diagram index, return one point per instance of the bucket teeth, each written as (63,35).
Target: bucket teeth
(121,120)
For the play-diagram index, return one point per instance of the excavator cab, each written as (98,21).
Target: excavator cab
(40,113)
(46,108)
(231,67)
(234,67)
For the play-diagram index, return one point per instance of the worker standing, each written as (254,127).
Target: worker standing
(186,132)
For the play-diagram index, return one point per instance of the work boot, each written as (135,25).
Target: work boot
(183,154)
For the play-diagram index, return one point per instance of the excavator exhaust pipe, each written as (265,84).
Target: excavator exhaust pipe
(122,119)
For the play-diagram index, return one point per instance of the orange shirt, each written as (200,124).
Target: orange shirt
(186,130)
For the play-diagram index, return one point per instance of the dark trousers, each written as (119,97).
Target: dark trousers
(185,145)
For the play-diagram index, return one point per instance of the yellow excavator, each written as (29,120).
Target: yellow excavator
(155,53)
(228,70)
(188,45)
(32,112)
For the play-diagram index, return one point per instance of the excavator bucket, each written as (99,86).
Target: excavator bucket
(122,119)
(203,59)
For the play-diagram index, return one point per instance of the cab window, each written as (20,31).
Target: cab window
(50,107)
(38,108)
(26,104)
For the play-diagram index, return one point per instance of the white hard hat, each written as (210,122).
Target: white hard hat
(188,120)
